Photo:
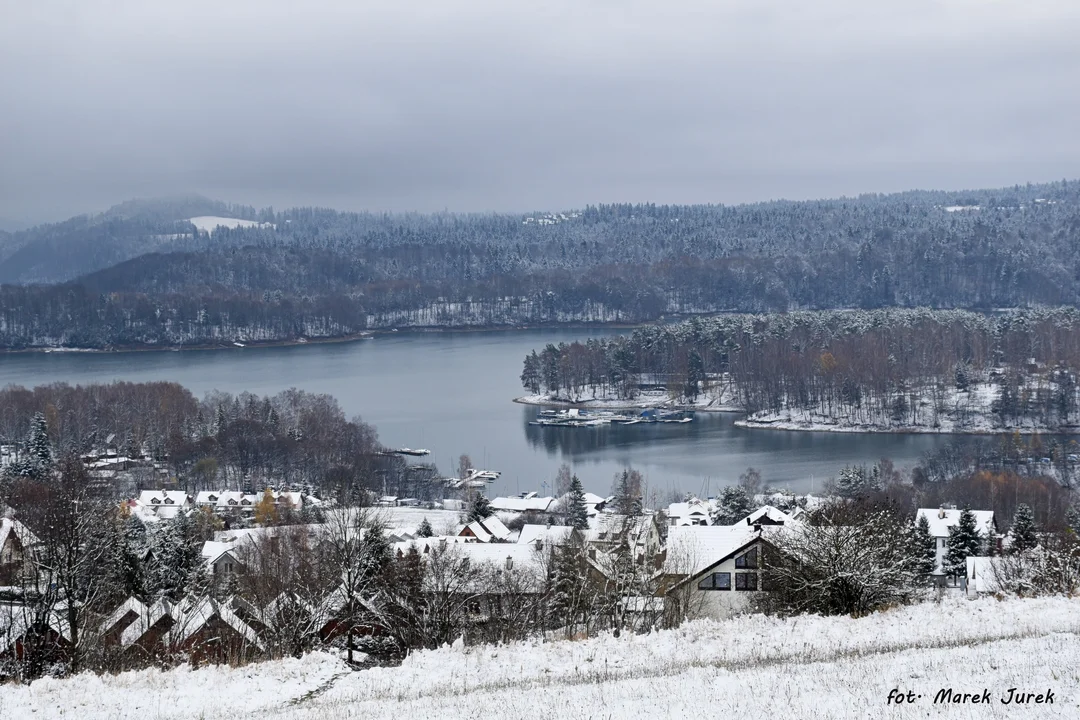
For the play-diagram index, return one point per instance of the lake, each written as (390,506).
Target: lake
(451,392)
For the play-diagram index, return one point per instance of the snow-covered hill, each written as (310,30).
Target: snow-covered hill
(210,223)
(749,667)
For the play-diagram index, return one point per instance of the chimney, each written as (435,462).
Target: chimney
(509,563)
(941,513)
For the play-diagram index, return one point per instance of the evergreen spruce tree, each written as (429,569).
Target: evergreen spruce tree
(924,549)
(964,542)
(577,514)
(732,506)
(425,530)
(479,507)
(628,493)
(567,586)
(1024,534)
(853,482)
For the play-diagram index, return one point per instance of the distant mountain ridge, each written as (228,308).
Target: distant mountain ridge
(141,273)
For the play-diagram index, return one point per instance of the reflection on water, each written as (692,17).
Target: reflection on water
(573,442)
(451,393)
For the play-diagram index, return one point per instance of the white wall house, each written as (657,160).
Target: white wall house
(942,520)
(714,571)
(692,512)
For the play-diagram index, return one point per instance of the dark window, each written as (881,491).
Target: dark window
(747,560)
(746,581)
(715,581)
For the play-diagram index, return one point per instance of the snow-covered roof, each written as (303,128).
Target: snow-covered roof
(478,531)
(503,555)
(693,507)
(212,550)
(160,498)
(694,548)
(496,528)
(153,614)
(424,545)
(546,535)
(768,513)
(610,527)
(131,605)
(523,504)
(16,619)
(593,499)
(941,520)
(200,613)
(11,527)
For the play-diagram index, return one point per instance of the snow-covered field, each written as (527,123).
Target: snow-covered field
(209,223)
(749,667)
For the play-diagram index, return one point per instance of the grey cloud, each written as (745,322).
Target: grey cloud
(479,105)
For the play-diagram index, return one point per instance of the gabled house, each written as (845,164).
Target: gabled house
(546,535)
(692,512)
(609,531)
(943,520)
(768,515)
(16,550)
(222,561)
(211,631)
(21,628)
(490,529)
(714,571)
(163,504)
(526,502)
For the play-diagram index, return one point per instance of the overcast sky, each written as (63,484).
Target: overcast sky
(510,105)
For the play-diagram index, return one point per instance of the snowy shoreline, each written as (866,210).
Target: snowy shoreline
(795,421)
(808,426)
(354,337)
(637,404)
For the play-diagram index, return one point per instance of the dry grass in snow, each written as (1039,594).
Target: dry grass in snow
(806,667)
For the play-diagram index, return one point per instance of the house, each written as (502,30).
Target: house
(526,502)
(942,520)
(211,631)
(221,560)
(16,546)
(714,571)
(52,638)
(608,531)
(163,504)
(768,515)
(545,535)
(490,529)
(691,512)
(203,629)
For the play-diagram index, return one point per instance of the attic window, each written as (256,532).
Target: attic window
(168,501)
(155,501)
(716,581)
(213,498)
(747,560)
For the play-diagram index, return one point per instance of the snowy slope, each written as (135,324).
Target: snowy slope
(749,667)
(209,223)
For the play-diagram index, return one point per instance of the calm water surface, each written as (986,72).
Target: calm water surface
(452,392)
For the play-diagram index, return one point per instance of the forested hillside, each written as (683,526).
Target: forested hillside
(320,273)
(948,369)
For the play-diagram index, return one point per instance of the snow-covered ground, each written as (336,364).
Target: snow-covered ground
(755,666)
(968,411)
(209,223)
(714,399)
